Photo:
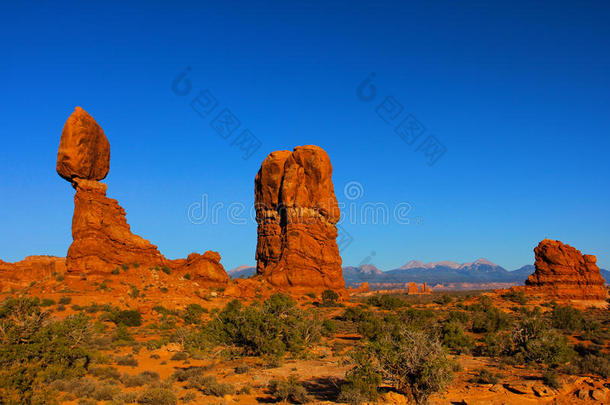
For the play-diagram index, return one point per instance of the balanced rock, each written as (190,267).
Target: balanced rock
(103,240)
(297,212)
(84,151)
(564,272)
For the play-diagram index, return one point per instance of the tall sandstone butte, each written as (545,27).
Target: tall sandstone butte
(297,212)
(564,272)
(102,237)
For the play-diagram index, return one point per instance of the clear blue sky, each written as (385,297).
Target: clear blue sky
(518,92)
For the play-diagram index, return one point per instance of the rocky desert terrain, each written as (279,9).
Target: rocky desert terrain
(115,322)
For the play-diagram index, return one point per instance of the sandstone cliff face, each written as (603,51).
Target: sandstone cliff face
(297,212)
(564,272)
(32,268)
(103,240)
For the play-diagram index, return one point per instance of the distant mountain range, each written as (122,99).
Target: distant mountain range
(481,272)
(243,271)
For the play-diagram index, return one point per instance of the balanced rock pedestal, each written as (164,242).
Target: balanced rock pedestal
(297,212)
(102,237)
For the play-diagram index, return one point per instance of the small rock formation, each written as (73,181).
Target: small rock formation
(103,240)
(564,272)
(206,267)
(412,288)
(297,212)
(32,268)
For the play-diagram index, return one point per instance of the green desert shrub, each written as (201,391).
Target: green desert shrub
(484,376)
(589,360)
(443,299)
(209,385)
(192,314)
(517,297)
(329,327)
(105,373)
(533,341)
(37,349)
(273,328)
(414,361)
(64,300)
(179,356)
(419,318)
(362,380)
(454,337)
(567,318)
(157,396)
(329,298)
(47,302)
(127,360)
(386,301)
(289,390)
(488,318)
(496,344)
(127,317)
(140,379)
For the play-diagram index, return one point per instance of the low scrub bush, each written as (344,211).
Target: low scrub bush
(209,385)
(362,380)
(386,301)
(273,328)
(484,376)
(567,318)
(454,337)
(37,350)
(157,396)
(127,360)
(414,361)
(329,298)
(517,297)
(289,390)
(192,314)
(127,317)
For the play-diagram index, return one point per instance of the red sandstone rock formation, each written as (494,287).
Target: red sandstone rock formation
(413,288)
(206,267)
(84,151)
(32,268)
(564,272)
(296,211)
(102,237)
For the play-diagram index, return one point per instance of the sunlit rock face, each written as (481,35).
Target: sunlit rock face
(297,212)
(564,272)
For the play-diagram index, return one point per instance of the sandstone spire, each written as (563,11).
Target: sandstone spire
(297,212)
